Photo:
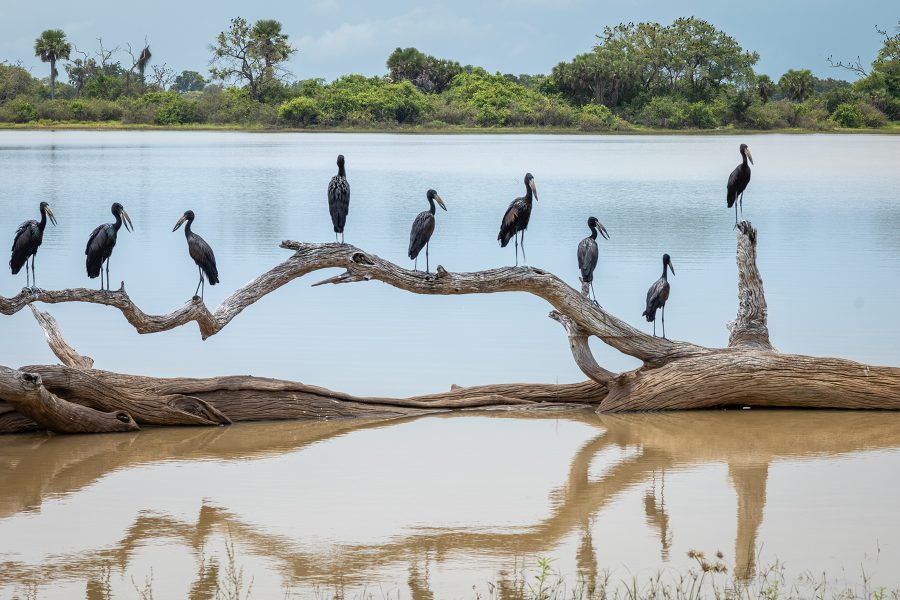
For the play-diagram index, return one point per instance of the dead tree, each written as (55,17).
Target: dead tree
(674,374)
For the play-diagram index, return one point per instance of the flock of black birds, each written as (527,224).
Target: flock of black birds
(30,235)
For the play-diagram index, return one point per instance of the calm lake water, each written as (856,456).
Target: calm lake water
(447,502)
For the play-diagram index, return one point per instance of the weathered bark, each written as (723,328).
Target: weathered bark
(26,393)
(674,374)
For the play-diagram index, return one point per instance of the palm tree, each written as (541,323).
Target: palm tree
(50,47)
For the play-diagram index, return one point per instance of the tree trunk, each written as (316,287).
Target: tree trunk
(52,78)
(674,374)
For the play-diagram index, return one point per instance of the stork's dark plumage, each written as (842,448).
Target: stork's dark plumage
(422,228)
(339,199)
(737,182)
(201,253)
(658,294)
(27,240)
(588,252)
(516,217)
(102,241)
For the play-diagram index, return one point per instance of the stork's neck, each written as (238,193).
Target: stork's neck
(187,228)
(744,154)
(665,273)
(529,195)
(341,171)
(431,202)
(43,222)
(593,232)
(118,224)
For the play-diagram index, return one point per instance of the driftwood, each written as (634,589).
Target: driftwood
(674,374)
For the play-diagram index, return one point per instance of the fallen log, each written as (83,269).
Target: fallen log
(674,374)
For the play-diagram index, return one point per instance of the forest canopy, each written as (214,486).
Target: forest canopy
(684,75)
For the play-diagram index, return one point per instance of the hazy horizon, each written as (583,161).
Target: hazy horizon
(337,37)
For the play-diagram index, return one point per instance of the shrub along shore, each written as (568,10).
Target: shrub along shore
(637,78)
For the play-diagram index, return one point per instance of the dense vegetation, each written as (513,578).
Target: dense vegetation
(684,75)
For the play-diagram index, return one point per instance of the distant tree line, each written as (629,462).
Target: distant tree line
(687,74)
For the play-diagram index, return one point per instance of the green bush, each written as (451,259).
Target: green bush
(664,111)
(232,105)
(848,115)
(597,117)
(764,116)
(79,110)
(301,111)
(162,108)
(872,117)
(18,111)
(496,101)
(843,95)
(363,101)
(702,115)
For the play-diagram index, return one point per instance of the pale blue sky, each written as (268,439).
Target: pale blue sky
(343,36)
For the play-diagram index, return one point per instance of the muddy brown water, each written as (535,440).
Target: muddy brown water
(444,503)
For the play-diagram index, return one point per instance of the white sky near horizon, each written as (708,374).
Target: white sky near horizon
(337,37)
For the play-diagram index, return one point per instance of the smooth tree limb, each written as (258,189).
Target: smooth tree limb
(674,374)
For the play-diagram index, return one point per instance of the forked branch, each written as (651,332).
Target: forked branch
(363,266)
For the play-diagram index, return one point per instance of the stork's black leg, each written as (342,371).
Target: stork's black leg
(108,286)
(200,283)
(416,263)
(524,260)
(342,238)
(33,274)
(742,204)
(27,277)
(426,256)
(335,237)
(664,320)
(593,293)
(516,238)
(654,327)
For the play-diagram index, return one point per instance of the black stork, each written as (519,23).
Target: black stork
(737,182)
(588,252)
(339,199)
(102,241)
(658,294)
(27,240)
(422,228)
(516,217)
(201,253)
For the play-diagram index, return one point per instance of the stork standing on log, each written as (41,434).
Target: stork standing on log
(737,182)
(201,252)
(422,228)
(27,240)
(102,241)
(657,296)
(516,218)
(339,199)
(588,253)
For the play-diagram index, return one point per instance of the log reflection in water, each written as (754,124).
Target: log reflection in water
(36,467)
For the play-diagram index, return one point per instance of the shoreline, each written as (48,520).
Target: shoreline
(890,129)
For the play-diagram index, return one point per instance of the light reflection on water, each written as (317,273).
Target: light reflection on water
(826,206)
(448,502)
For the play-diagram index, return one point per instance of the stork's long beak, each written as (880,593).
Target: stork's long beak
(52,217)
(440,201)
(602,230)
(127,220)
(533,188)
(178,224)
(671,266)
(749,156)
